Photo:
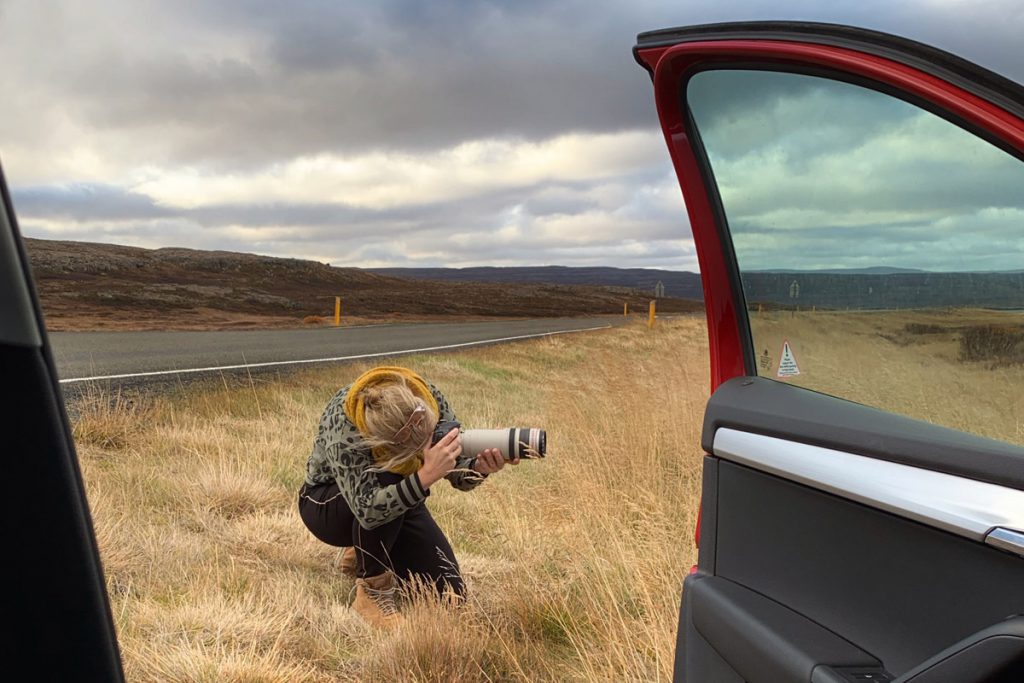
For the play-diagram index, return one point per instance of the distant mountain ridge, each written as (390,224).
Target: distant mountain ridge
(106,282)
(88,285)
(870,270)
(873,287)
(678,283)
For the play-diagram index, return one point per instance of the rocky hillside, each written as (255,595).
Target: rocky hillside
(87,286)
(677,283)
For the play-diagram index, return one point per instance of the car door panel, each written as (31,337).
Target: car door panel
(837,541)
(764,640)
(900,590)
(897,590)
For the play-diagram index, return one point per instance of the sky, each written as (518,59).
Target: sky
(818,174)
(386,133)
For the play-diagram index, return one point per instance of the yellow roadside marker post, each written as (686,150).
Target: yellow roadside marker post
(650,317)
(625,310)
(337,311)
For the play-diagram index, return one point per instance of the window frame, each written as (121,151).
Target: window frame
(952,86)
(732,267)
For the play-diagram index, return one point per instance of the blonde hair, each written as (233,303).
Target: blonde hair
(388,409)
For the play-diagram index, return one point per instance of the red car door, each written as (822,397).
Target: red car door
(857,204)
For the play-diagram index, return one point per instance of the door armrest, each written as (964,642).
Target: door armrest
(763,640)
(992,655)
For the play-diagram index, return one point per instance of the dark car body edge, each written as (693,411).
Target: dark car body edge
(970,77)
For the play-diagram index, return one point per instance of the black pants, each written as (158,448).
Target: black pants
(410,545)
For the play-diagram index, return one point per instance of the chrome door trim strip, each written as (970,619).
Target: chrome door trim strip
(1010,540)
(962,506)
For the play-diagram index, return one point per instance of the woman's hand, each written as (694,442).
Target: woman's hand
(490,461)
(439,459)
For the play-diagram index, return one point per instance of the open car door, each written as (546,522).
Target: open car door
(56,613)
(857,203)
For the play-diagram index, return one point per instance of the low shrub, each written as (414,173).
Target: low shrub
(1000,344)
(924,328)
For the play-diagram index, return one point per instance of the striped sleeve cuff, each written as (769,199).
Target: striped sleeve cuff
(474,475)
(410,490)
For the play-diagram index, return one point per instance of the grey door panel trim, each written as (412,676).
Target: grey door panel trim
(757,404)
(961,506)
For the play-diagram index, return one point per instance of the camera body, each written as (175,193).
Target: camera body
(513,442)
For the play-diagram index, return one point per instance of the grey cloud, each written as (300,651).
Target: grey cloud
(831,175)
(465,231)
(841,115)
(228,85)
(963,243)
(548,204)
(135,232)
(306,215)
(320,77)
(84,202)
(317,76)
(667,255)
(933,164)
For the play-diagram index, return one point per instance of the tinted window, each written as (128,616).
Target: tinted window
(879,246)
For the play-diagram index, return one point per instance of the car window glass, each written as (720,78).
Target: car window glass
(879,246)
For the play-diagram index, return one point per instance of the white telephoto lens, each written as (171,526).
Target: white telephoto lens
(475,441)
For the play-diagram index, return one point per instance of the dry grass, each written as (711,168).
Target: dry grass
(958,368)
(574,563)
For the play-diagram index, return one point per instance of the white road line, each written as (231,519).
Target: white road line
(327,360)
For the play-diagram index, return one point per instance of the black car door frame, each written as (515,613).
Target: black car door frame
(58,624)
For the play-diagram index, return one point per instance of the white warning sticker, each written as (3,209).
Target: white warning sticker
(787,364)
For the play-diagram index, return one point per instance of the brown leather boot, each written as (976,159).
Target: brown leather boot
(348,562)
(375,601)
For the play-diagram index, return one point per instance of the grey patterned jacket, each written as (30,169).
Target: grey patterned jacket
(339,455)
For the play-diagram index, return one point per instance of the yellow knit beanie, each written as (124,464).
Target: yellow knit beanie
(355,405)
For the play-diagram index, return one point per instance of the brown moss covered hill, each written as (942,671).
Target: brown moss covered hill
(105,286)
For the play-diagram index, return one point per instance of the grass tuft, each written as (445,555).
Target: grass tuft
(998,344)
(108,420)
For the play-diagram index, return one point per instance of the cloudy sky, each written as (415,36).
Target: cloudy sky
(378,133)
(819,174)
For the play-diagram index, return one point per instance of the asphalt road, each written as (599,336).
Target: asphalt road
(140,356)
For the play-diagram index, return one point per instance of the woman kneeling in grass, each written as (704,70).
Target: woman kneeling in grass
(368,478)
